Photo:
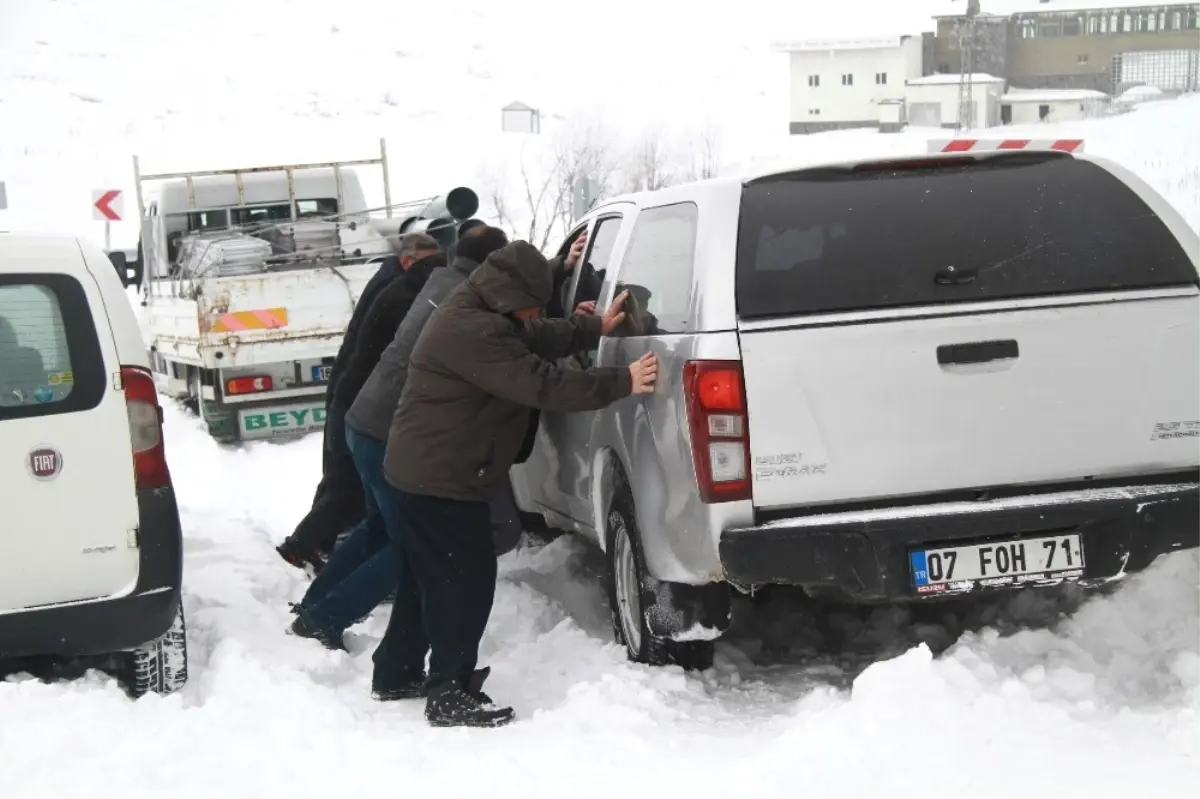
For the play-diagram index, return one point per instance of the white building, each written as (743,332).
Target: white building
(1027,106)
(933,100)
(841,83)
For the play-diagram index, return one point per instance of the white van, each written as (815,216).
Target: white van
(91,554)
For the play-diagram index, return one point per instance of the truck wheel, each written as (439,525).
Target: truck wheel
(219,420)
(631,590)
(160,666)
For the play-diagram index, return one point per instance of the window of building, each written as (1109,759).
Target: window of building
(1191,19)
(814,80)
(1082,59)
(1071,26)
(657,271)
(1049,28)
(814,112)
(1028,29)
(881,78)
(848,79)
(1127,24)
(50,360)
(1093,25)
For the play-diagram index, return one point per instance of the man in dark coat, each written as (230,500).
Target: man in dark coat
(483,361)
(362,571)
(339,501)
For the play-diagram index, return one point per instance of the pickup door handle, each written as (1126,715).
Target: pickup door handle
(977,352)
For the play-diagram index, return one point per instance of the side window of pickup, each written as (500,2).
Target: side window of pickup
(657,271)
(592,268)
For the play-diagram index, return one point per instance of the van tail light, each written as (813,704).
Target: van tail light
(145,428)
(248,385)
(716,404)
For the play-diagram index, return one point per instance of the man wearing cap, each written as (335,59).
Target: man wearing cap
(340,502)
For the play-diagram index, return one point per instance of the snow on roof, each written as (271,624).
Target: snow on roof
(1142,91)
(1051,95)
(956,8)
(839,43)
(951,78)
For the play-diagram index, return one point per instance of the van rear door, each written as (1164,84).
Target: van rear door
(1021,319)
(70,511)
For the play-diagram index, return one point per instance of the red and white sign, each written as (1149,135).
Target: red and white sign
(108,205)
(997,145)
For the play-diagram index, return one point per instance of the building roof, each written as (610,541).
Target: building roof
(956,8)
(1051,95)
(952,78)
(839,43)
(517,106)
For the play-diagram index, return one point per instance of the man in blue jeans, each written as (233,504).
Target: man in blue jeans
(362,572)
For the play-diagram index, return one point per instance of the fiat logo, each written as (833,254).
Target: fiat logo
(45,463)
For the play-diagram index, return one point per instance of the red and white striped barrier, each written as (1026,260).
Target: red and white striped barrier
(995,145)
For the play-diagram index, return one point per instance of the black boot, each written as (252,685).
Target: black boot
(303,629)
(456,704)
(301,557)
(390,689)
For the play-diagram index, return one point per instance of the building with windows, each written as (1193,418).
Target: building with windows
(852,83)
(1105,45)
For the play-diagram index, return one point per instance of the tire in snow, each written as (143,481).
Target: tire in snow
(631,589)
(160,666)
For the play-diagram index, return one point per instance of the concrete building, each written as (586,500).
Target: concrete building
(852,83)
(1029,106)
(1105,45)
(933,101)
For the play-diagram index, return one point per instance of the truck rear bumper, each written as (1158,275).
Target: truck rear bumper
(105,625)
(865,554)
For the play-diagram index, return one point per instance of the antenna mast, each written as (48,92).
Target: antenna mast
(966,48)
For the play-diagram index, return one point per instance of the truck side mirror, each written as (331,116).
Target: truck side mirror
(120,262)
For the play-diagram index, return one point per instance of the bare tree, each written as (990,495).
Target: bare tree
(704,154)
(650,166)
(535,198)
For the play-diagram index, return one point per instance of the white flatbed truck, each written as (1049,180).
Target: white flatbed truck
(249,278)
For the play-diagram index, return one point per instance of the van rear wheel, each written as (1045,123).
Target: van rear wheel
(631,590)
(160,666)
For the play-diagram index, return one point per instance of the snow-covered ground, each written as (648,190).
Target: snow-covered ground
(1031,693)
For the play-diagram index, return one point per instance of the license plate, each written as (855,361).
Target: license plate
(320,374)
(280,420)
(995,565)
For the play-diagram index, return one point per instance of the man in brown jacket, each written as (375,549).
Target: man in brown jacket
(483,362)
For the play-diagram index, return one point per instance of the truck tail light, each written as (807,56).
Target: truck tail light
(716,404)
(145,428)
(248,385)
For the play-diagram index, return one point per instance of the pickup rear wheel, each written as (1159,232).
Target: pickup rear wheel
(631,590)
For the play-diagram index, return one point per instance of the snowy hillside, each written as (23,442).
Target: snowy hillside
(191,84)
(1033,693)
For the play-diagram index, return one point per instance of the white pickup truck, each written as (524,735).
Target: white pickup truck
(249,278)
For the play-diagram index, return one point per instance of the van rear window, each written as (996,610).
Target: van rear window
(50,359)
(1021,226)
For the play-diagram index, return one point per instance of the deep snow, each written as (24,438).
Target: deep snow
(1097,702)
(1034,693)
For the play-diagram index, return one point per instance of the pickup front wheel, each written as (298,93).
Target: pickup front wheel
(631,590)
